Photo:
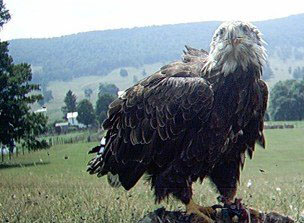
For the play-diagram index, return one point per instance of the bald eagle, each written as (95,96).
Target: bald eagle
(193,119)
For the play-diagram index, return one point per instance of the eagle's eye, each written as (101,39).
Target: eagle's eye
(221,32)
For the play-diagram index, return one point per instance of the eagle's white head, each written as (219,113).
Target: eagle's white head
(235,45)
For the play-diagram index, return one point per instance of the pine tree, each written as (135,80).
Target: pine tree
(86,114)
(102,106)
(17,122)
(70,101)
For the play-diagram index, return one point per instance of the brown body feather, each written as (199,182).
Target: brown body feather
(177,126)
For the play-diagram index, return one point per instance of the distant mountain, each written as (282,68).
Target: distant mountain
(100,52)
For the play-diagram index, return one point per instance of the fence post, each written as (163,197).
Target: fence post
(2,154)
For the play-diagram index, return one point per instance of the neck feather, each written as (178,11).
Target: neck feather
(228,62)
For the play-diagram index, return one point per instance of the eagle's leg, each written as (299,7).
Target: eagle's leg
(225,176)
(204,213)
(170,182)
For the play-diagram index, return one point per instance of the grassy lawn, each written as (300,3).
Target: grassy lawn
(53,186)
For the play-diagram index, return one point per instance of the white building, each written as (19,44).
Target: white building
(41,110)
(72,119)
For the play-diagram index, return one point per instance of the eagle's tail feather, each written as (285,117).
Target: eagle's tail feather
(96,166)
(96,149)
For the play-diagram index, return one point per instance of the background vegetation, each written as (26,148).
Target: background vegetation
(287,100)
(100,52)
(18,124)
(82,61)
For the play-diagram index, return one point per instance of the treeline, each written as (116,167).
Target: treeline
(298,73)
(99,52)
(286,101)
(88,114)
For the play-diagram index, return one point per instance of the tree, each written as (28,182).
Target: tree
(266,116)
(110,89)
(86,114)
(107,94)
(70,101)
(17,122)
(287,100)
(102,106)
(47,96)
(144,73)
(267,72)
(88,92)
(298,73)
(4,14)
(123,72)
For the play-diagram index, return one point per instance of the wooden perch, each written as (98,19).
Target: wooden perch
(221,216)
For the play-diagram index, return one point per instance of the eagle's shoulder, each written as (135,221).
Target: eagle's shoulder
(193,55)
(189,67)
(177,87)
(191,64)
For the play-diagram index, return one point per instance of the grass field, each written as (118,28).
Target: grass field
(38,187)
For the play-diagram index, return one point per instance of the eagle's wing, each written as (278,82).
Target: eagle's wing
(253,131)
(249,133)
(153,120)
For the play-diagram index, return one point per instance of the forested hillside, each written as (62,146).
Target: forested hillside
(100,52)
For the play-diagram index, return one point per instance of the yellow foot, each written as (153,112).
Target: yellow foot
(204,214)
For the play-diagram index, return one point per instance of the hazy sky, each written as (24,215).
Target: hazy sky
(49,18)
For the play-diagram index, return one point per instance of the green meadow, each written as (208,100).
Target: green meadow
(53,186)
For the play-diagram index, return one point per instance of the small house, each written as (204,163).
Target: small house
(72,118)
